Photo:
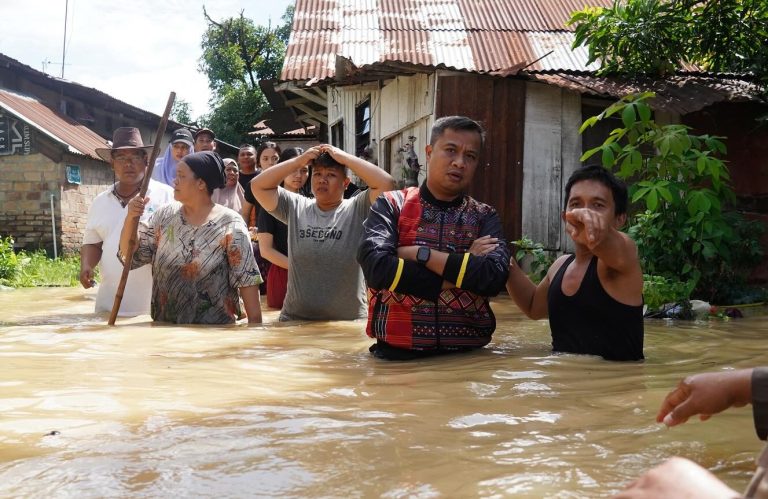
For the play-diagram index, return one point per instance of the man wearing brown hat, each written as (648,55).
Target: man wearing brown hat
(128,156)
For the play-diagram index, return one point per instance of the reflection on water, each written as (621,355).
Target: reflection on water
(142,410)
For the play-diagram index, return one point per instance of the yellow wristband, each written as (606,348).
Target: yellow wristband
(398,273)
(462,270)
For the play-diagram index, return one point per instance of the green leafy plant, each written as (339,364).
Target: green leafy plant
(28,269)
(9,262)
(534,255)
(653,37)
(634,37)
(659,291)
(681,186)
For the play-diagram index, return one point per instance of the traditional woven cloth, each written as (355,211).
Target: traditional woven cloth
(457,318)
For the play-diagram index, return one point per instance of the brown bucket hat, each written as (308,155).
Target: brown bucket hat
(123,138)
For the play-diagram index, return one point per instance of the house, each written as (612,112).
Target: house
(49,170)
(373,76)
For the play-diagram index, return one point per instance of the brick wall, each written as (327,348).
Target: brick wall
(76,199)
(25,209)
(26,185)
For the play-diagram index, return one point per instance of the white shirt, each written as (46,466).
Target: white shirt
(105,222)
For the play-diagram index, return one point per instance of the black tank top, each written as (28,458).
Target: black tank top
(591,322)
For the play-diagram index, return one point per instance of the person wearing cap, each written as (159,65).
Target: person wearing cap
(203,270)
(180,145)
(128,157)
(324,282)
(205,140)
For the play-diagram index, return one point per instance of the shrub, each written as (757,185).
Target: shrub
(683,231)
(28,269)
(9,262)
(534,255)
(659,290)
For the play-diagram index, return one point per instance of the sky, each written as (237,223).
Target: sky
(137,51)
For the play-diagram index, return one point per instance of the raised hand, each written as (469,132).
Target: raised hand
(585,226)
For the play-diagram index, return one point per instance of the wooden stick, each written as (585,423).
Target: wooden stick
(135,221)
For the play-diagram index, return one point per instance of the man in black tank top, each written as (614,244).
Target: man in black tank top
(593,298)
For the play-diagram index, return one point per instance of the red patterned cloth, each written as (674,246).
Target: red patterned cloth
(417,314)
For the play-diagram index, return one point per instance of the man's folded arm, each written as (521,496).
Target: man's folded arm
(378,258)
(484,275)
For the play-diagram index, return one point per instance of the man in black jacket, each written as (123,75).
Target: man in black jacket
(432,255)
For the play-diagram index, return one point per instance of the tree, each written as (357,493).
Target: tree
(180,112)
(655,36)
(236,55)
(686,232)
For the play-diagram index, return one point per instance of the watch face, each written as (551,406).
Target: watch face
(422,255)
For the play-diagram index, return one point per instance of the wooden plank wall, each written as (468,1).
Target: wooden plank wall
(499,104)
(552,148)
(404,101)
(406,106)
(342,102)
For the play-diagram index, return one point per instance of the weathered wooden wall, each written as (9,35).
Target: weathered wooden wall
(551,153)
(499,104)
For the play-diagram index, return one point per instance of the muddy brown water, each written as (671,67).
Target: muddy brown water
(302,410)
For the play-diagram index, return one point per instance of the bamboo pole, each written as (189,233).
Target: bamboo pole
(135,221)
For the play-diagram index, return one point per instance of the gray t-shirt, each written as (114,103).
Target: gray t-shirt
(325,281)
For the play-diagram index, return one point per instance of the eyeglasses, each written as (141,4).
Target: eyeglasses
(128,158)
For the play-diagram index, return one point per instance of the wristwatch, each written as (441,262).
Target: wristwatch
(423,254)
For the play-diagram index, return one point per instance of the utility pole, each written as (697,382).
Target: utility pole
(64,44)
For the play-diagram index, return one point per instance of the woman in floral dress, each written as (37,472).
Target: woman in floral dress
(203,268)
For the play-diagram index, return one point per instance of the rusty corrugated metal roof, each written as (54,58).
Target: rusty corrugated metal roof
(682,94)
(78,138)
(469,35)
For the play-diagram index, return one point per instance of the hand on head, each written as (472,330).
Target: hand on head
(333,151)
(705,394)
(311,154)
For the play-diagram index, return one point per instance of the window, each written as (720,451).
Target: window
(363,128)
(337,134)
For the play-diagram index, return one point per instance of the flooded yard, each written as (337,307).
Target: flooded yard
(303,410)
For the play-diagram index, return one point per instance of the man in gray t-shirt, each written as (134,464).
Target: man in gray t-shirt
(319,290)
(324,280)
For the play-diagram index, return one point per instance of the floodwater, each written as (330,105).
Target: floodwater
(302,410)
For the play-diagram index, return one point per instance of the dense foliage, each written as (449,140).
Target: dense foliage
(237,53)
(28,269)
(683,228)
(655,36)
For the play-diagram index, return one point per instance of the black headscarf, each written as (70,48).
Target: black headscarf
(208,166)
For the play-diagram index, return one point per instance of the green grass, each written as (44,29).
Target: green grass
(36,269)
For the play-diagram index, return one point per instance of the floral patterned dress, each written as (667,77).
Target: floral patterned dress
(196,270)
